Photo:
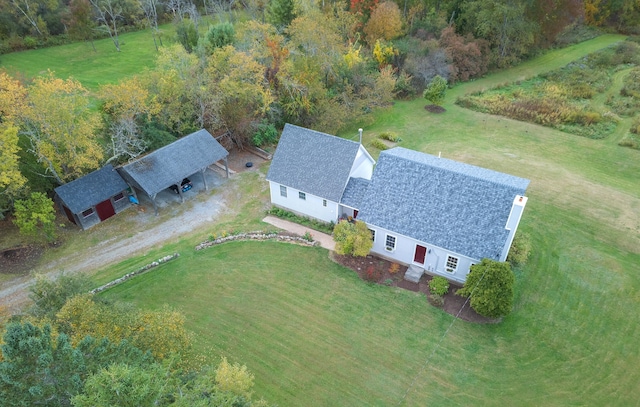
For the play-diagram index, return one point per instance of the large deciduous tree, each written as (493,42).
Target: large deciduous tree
(109,13)
(385,23)
(171,83)
(11,179)
(12,102)
(150,10)
(29,13)
(241,93)
(79,21)
(35,217)
(127,104)
(50,295)
(61,128)
(504,25)
(160,332)
(468,57)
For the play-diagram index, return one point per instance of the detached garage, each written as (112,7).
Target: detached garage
(93,198)
(170,165)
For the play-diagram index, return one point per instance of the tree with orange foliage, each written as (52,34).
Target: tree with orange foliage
(385,23)
(468,57)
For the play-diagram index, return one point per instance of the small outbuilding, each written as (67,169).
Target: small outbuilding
(93,198)
(170,165)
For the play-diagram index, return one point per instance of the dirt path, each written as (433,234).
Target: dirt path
(197,213)
(324,239)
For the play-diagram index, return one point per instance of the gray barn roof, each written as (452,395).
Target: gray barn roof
(456,206)
(85,192)
(171,163)
(313,162)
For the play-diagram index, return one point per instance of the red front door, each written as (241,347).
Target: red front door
(355,213)
(421,253)
(105,209)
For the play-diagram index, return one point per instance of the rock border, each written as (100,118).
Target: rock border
(257,235)
(135,273)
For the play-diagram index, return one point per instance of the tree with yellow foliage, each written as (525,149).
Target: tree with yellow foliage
(127,103)
(12,100)
(160,332)
(61,128)
(385,23)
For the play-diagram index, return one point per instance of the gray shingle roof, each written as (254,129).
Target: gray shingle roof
(313,162)
(171,163)
(93,188)
(354,192)
(456,206)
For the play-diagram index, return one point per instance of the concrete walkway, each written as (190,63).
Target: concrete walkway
(324,239)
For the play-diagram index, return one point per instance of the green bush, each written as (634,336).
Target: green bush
(439,285)
(403,88)
(436,90)
(30,42)
(489,286)
(187,34)
(352,238)
(576,33)
(437,300)
(219,35)
(520,249)
(377,143)
(266,133)
(389,136)
(49,296)
(627,52)
(630,141)
(635,126)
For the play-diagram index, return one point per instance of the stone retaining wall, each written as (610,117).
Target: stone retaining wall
(135,273)
(259,235)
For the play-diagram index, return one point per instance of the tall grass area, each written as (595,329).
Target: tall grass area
(314,334)
(91,68)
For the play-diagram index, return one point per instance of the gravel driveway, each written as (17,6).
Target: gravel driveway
(199,211)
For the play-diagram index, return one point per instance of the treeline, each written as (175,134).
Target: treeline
(512,26)
(31,23)
(72,349)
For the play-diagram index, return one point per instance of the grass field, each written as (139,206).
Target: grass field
(314,334)
(91,68)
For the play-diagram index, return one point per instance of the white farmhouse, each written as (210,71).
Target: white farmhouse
(310,171)
(436,215)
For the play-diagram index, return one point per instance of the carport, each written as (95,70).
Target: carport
(172,163)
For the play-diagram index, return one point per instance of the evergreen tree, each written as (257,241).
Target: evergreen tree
(281,13)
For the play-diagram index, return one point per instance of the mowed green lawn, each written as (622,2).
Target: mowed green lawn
(314,334)
(92,68)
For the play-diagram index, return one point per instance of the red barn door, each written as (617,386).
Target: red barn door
(105,209)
